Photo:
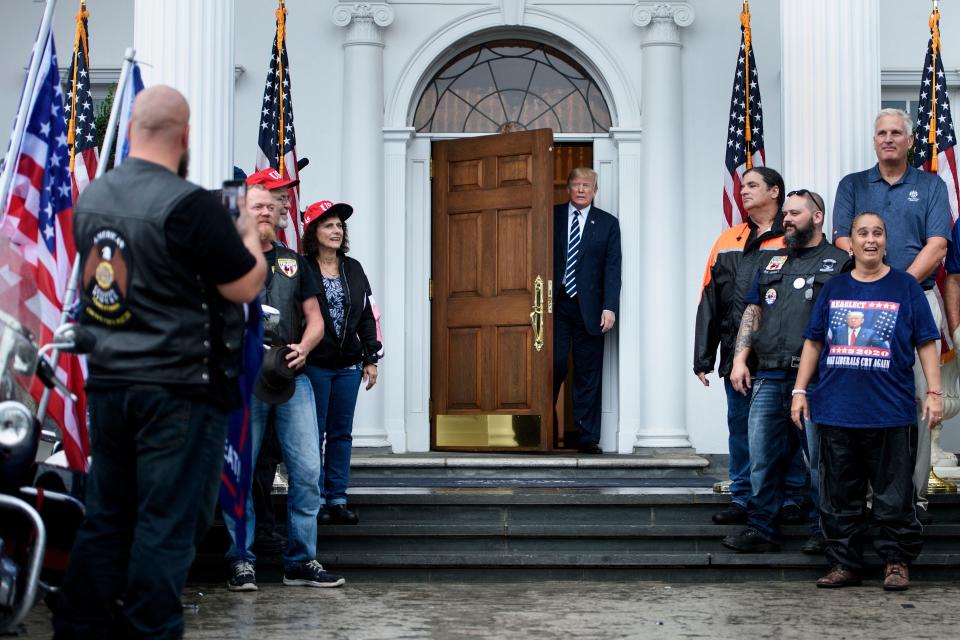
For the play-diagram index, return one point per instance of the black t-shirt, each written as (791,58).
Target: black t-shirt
(201,234)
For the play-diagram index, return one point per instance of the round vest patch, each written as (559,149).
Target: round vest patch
(106,274)
(770,296)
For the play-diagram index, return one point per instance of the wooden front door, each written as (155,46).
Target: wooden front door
(492,324)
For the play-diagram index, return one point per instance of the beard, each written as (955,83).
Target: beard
(184,164)
(267,234)
(798,239)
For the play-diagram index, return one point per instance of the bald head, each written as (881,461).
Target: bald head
(160,114)
(159,128)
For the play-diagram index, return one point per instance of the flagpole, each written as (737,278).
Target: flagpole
(747,43)
(129,57)
(281,44)
(21,124)
(108,138)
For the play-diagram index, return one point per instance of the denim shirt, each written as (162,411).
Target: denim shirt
(914,209)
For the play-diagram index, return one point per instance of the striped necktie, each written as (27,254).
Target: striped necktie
(573,251)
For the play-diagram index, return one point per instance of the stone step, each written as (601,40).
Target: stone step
(620,532)
(653,463)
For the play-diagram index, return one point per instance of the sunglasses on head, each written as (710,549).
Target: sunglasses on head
(817,200)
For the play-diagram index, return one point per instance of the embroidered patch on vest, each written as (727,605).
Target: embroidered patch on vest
(776,263)
(288,266)
(771,296)
(106,273)
(828,265)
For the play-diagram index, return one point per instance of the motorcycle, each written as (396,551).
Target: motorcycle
(39,517)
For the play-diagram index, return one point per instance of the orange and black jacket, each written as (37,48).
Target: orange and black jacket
(732,265)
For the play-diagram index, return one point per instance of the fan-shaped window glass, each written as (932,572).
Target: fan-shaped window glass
(512,85)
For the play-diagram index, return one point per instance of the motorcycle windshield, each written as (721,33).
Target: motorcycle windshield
(20,305)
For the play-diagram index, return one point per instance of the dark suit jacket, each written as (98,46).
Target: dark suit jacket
(865,338)
(598,265)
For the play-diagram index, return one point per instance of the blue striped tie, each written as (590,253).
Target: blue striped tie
(573,250)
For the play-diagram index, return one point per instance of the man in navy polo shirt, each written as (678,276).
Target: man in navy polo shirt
(914,208)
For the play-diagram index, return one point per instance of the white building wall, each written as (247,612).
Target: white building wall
(316,57)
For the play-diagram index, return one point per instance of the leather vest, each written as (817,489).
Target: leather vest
(282,294)
(788,287)
(149,312)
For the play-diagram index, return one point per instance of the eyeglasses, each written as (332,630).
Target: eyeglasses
(817,200)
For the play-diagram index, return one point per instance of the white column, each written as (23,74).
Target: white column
(189,45)
(362,160)
(830,79)
(394,296)
(658,235)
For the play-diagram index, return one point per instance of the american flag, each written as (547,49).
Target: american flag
(745,130)
(277,143)
(935,144)
(39,223)
(78,111)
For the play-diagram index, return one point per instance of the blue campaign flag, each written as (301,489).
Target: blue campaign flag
(134,86)
(237,476)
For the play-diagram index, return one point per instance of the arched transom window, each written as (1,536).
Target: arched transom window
(512,85)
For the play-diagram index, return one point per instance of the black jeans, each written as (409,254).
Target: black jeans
(850,459)
(153,484)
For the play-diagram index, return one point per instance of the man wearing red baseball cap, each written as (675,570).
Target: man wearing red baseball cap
(277,185)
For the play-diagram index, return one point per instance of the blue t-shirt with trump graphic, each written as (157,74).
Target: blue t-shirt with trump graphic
(869,331)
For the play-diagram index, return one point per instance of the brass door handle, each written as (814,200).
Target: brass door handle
(536,316)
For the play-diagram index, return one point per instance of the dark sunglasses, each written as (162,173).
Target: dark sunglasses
(817,200)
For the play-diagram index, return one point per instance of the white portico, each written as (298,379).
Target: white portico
(663,71)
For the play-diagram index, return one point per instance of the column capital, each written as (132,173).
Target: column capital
(365,21)
(664,20)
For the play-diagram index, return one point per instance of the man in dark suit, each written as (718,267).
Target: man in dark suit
(586,275)
(855,335)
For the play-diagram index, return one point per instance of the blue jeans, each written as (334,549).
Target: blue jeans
(775,446)
(296,425)
(738,409)
(150,496)
(335,391)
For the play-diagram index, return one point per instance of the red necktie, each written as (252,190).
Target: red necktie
(853,337)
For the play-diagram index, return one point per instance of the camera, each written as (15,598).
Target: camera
(232,196)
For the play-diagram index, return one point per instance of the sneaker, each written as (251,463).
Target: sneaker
(734,514)
(750,541)
(791,514)
(311,574)
(242,577)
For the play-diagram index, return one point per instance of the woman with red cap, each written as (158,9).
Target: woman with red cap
(346,355)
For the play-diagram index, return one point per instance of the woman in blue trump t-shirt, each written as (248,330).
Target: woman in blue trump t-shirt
(863,331)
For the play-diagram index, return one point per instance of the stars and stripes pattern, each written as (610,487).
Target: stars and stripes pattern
(882,321)
(573,252)
(277,137)
(39,223)
(745,126)
(78,111)
(935,141)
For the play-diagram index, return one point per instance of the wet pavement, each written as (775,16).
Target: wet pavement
(368,611)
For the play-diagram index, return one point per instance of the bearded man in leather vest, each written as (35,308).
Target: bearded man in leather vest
(291,289)
(162,266)
(778,307)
